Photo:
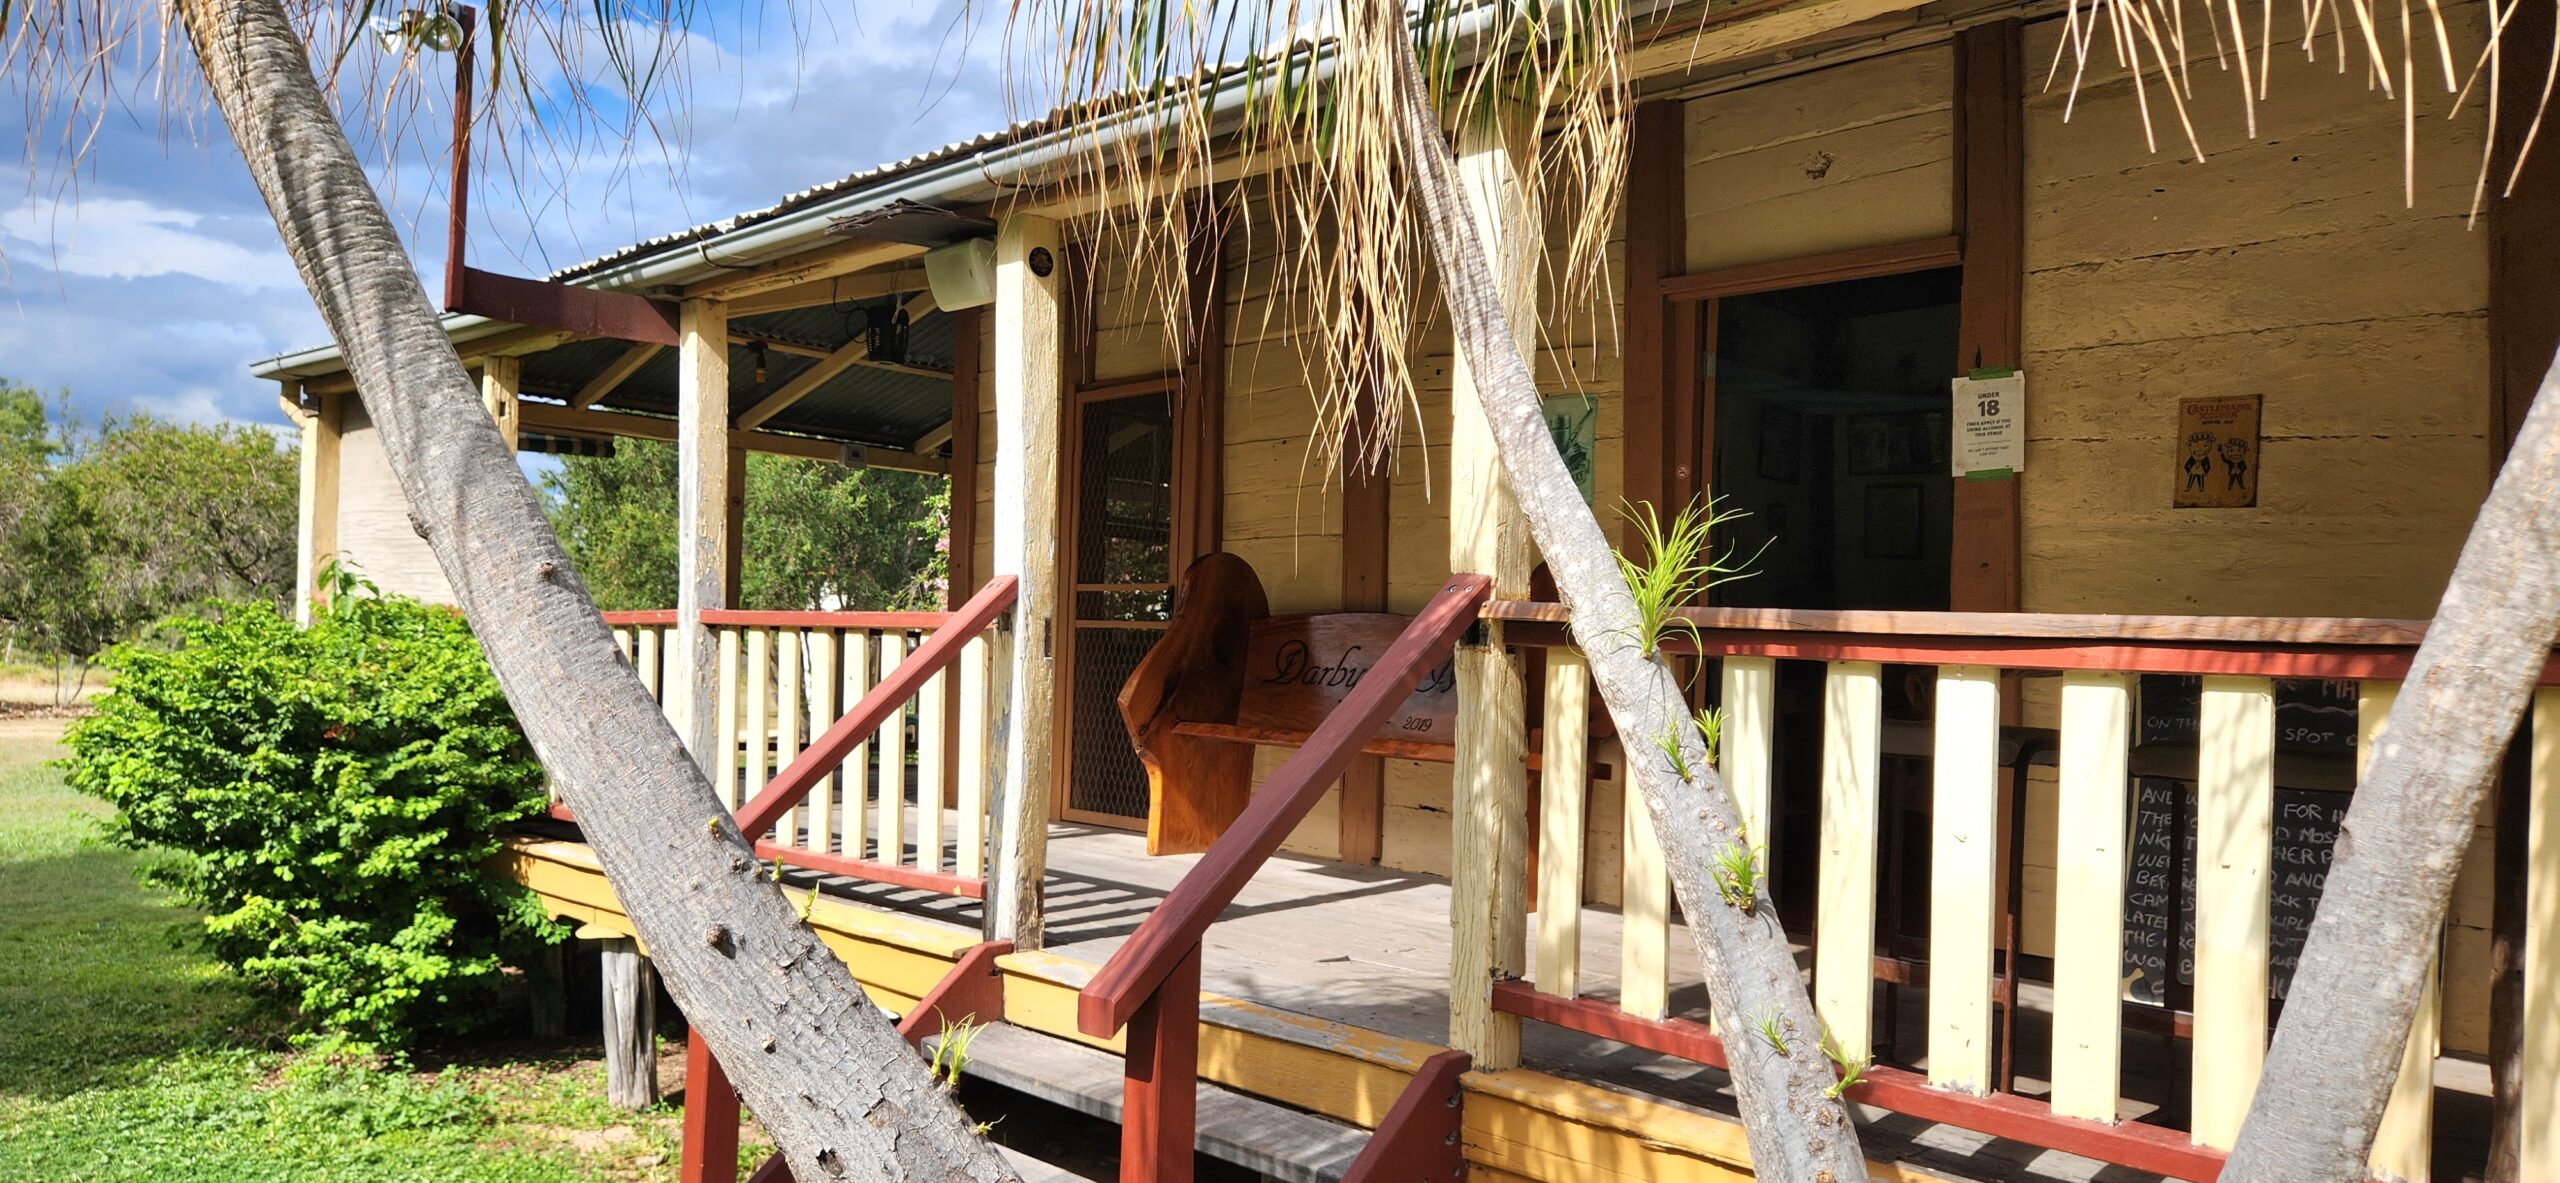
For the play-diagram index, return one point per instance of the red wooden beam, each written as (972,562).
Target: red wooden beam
(973,992)
(871,872)
(829,750)
(1418,1142)
(584,311)
(747,619)
(1172,932)
(776,1169)
(1160,1088)
(892,621)
(2133,657)
(2153,1149)
(457,224)
(710,1119)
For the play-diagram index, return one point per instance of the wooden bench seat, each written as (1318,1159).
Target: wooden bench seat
(1229,677)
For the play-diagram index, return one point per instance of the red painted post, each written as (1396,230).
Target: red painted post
(1160,1098)
(710,1119)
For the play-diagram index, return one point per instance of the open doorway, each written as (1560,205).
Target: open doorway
(1822,413)
(1830,408)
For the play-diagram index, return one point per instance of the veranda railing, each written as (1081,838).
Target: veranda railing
(846,737)
(2085,729)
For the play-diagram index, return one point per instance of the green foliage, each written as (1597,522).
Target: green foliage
(1677,752)
(1677,566)
(951,1052)
(133,1058)
(1773,1030)
(26,430)
(1711,729)
(817,535)
(1853,1071)
(1737,874)
(71,576)
(214,506)
(105,528)
(336,789)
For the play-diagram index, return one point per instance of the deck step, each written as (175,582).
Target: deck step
(1279,1142)
(1032,1170)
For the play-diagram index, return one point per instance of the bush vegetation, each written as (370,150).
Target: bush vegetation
(335,791)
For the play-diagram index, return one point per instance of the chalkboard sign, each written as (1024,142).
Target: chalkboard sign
(2311,715)
(2160,891)
(2160,884)
(2307,823)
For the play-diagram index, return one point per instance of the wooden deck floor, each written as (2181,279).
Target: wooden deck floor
(1369,947)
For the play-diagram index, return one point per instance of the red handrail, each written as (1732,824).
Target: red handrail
(739,618)
(2266,647)
(829,750)
(1171,932)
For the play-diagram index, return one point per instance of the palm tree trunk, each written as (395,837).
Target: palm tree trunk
(2330,1072)
(819,1065)
(1796,1131)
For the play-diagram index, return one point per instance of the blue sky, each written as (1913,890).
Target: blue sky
(156,277)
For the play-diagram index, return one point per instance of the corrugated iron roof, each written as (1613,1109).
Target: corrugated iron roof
(811,196)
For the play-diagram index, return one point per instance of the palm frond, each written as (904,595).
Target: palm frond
(2400,51)
(1284,114)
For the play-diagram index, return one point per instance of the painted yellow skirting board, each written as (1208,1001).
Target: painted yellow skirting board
(1520,1124)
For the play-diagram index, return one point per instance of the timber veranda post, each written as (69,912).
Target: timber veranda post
(316,538)
(703,555)
(1489,536)
(1029,387)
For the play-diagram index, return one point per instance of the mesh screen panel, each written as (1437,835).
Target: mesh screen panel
(1106,776)
(1124,495)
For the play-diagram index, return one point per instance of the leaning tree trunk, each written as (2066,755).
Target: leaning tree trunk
(2346,1021)
(819,1065)
(1796,1131)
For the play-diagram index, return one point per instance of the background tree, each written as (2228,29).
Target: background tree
(818,536)
(210,507)
(104,528)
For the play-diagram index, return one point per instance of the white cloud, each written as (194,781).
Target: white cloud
(128,238)
(160,283)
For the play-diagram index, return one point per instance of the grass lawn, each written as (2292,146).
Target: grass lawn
(127,1055)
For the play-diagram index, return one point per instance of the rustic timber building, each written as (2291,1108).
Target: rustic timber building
(2047,712)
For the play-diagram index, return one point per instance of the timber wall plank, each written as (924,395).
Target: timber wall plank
(375,538)
(1858,155)
(2153,278)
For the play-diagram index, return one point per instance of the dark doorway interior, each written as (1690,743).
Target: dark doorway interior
(1831,409)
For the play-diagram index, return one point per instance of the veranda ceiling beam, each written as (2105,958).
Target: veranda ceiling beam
(552,417)
(830,364)
(842,258)
(819,293)
(613,375)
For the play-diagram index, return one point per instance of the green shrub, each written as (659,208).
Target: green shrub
(336,790)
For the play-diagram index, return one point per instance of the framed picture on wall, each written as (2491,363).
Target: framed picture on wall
(1573,420)
(1893,521)
(1781,443)
(1892,445)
